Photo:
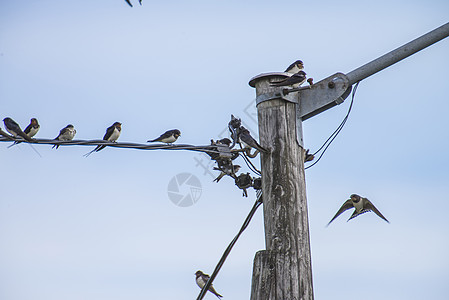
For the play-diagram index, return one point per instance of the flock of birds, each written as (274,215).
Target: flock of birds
(68,133)
(360,204)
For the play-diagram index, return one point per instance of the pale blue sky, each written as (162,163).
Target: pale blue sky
(103,227)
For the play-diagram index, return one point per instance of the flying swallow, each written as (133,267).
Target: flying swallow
(295,80)
(2,133)
(248,141)
(65,134)
(14,128)
(111,135)
(202,279)
(168,137)
(231,171)
(361,205)
(129,2)
(295,67)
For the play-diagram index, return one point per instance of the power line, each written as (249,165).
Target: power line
(332,137)
(229,248)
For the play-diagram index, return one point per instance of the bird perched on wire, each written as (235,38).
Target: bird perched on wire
(295,80)
(227,170)
(247,141)
(65,134)
(14,128)
(202,279)
(30,130)
(295,67)
(33,128)
(361,205)
(168,137)
(111,135)
(129,2)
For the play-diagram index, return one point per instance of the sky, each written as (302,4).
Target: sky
(104,227)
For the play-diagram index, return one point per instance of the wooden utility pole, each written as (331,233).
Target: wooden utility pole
(284,271)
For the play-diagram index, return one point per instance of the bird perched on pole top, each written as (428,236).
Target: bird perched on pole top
(65,134)
(14,128)
(168,137)
(202,279)
(295,80)
(361,205)
(295,67)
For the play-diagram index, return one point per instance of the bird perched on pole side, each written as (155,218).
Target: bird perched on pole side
(295,80)
(202,279)
(168,137)
(295,67)
(248,141)
(65,134)
(227,170)
(14,128)
(361,205)
(111,135)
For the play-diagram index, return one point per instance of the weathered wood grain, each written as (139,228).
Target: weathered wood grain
(283,271)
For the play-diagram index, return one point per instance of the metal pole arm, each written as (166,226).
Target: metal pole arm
(398,54)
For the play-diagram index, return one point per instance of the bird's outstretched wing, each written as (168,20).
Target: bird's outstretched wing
(371,206)
(347,205)
(129,2)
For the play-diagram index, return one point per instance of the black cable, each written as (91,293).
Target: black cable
(250,165)
(229,248)
(336,132)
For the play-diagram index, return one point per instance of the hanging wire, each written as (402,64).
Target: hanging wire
(332,137)
(229,248)
(250,164)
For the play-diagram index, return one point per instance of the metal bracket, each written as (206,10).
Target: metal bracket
(323,95)
(276,95)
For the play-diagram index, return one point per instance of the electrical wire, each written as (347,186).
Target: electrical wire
(250,164)
(332,137)
(229,248)
(206,148)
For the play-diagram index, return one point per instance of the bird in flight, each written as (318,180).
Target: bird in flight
(361,205)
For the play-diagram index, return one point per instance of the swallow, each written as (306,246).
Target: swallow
(30,130)
(361,205)
(248,141)
(14,128)
(2,133)
(168,137)
(295,80)
(244,181)
(295,67)
(65,134)
(224,141)
(308,156)
(129,2)
(231,171)
(111,135)
(202,279)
